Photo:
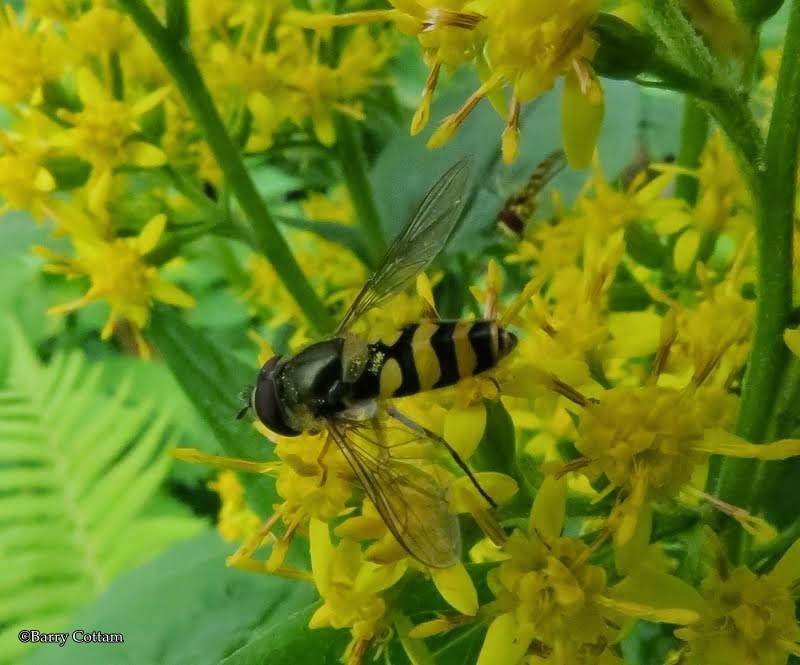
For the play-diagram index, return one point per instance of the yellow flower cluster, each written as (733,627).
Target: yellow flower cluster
(94,112)
(645,397)
(520,45)
(632,306)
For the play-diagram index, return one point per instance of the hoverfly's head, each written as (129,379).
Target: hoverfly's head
(266,401)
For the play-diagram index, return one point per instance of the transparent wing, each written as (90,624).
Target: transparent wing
(412,503)
(417,245)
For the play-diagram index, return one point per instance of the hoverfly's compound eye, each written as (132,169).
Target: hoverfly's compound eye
(266,401)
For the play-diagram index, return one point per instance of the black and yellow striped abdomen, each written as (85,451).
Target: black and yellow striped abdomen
(429,355)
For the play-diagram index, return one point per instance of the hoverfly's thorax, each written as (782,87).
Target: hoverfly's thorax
(309,383)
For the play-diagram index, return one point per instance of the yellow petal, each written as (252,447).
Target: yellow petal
(787,571)
(634,334)
(425,290)
(89,88)
(657,591)
(672,222)
(322,553)
(496,94)
(169,293)
(581,118)
(443,134)
(549,508)
(502,645)
(321,618)
(510,144)
(464,427)
(658,615)
(685,250)
(44,181)
(146,155)
(151,234)
(628,554)
(791,338)
(718,441)
(375,578)
(385,551)
(430,628)
(98,188)
(456,587)
(323,128)
(150,101)
(499,486)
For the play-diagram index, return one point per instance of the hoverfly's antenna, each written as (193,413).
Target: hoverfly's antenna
(246,396)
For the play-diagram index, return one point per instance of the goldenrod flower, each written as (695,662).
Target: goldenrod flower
(117,271)
(746,619)
(100,31)
(25,182)
(29,57)
(59,10)
(724,204)
(650,441)
(235,520)
(350,588)
(553,602)
(106,131)
(605,208)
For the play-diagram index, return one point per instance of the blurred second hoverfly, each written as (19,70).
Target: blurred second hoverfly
(343,385)
(521,206)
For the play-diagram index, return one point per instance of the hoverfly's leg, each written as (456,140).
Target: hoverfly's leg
(321,463)
(380,435)
(424,431)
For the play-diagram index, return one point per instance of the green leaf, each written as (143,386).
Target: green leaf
(186,607)
(626,294)
(497,449)
(416,597)
(644,246)
(77,468)
(212,379)
(288,640)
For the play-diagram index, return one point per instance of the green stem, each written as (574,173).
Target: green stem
(731,111)
(694,132)
(354,169)
(763,556)
(767,475)
(775,198)
(181,65)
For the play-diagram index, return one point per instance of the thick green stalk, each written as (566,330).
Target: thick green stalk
(354,169)
(694,132)
(181,65)
(684,63)
(775,197)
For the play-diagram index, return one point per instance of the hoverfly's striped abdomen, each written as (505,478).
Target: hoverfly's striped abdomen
(425,356)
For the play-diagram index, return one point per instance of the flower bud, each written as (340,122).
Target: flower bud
(622,50)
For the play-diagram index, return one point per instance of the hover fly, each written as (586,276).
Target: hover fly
(344,385)
(521,206)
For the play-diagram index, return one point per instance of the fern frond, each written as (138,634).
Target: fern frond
(77,467)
